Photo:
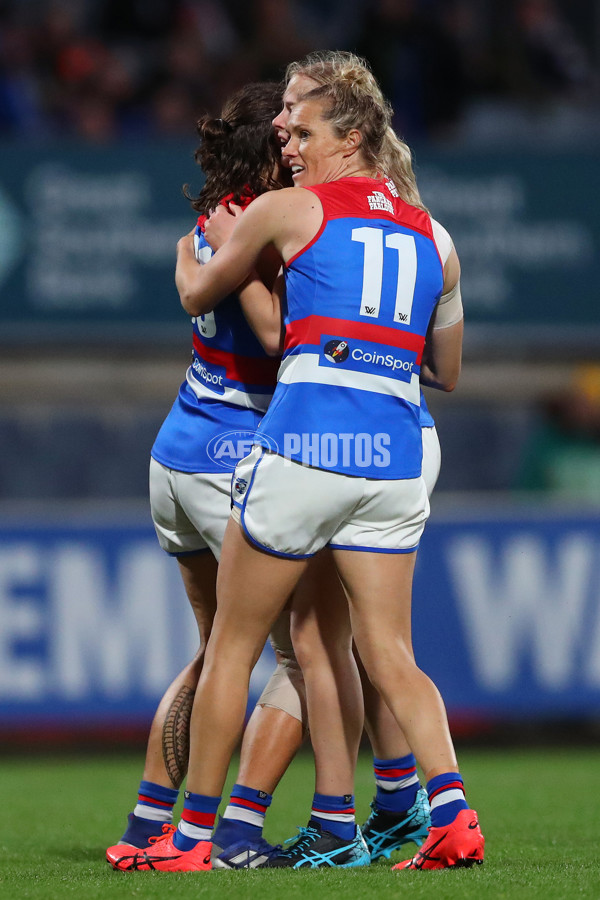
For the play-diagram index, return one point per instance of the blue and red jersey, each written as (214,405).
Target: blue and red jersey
(227,387)
(359,299)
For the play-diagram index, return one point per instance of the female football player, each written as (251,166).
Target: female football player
(364,272)
(400,811)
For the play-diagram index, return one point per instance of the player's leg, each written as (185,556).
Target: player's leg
(400,809)
(387,739)
(271,739)
(184,532)
(167,750)
(279,722)
(378,586)
(168,743)
(252,589)
(322,640)
(272,733)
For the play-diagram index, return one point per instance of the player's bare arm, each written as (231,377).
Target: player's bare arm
(259,300)
(262,309)
(288,219)
(442,355)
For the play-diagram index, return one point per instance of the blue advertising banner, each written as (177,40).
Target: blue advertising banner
(88,238)
(526,243)
(95,622)
(507,613)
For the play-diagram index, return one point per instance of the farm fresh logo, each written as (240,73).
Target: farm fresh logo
(228,448)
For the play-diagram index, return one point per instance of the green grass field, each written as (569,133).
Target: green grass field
(539,811)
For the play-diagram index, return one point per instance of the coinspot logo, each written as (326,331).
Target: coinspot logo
(229,447)
(336,350)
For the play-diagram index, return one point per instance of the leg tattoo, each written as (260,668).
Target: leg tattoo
(176,736)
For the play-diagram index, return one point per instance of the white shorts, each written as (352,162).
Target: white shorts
(432,458)
(190,510)
(293,510)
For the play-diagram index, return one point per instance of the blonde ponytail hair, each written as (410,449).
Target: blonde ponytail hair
(396,163)
(394,158)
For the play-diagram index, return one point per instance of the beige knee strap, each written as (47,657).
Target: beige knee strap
(285,690)
(280,638)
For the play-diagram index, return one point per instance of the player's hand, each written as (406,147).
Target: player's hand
(220,224)
(186,244)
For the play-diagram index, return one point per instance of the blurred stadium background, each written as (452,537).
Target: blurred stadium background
(500,101)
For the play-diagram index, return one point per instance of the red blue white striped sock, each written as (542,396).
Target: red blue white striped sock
(155,802)
(446,798)
(397,783)
(197,820)
(335,814)
(248,807)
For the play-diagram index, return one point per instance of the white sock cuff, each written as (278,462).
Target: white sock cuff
(142,811)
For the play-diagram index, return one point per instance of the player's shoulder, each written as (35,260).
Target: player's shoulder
(443,241)
(281,200)
(351,196)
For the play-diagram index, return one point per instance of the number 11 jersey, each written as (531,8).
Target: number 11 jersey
(359,298)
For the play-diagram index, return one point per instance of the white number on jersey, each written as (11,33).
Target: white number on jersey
(206,324)
(374,257)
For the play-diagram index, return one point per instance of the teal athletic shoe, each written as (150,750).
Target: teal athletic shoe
(385,832)
(317,849)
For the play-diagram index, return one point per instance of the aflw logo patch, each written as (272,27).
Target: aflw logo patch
(377,200)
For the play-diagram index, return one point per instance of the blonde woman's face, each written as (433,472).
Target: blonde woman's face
(297,87)
(314,153)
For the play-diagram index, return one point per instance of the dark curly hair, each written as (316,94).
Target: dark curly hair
(239,152)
